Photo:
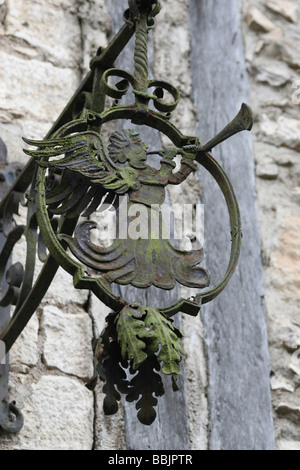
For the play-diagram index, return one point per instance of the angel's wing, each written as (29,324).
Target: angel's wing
(85,154)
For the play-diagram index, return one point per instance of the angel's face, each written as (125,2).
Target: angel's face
(127,147)
(137,157)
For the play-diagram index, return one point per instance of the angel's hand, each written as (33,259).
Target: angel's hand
(130,175)
(169,153)
(188,152)
(122,180)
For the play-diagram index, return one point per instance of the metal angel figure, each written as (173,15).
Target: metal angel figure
(122,168)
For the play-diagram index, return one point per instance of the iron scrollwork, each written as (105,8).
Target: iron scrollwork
(74,172)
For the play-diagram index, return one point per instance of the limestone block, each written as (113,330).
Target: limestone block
(284,160)
(67,344)
(11,134)
(92,40)
(166,59)
(62,291)
(196,374)
(99,312)
(283,132)
(288,445)
(68,5)
(285,8)
(259,22)
(296,194)
(60,44)
(275,75)
(285,259)
(58,416)
(286,409)
(268,171)
(280,383)
(185,116)
(291,53)
(110,430)
(172,47)
(278,203)
(34,89)
(294,366)
(14,126)
(290,337)
(95,27)
(25,349)
(280,48)
(95,13)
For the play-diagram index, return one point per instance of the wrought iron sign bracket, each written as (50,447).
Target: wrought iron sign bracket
(69,175)
(11,419)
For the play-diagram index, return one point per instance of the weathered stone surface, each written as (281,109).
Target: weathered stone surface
(290,337)
(257,21)
(58,416)
(11,134)
(284,409)
(278,204)
(288,445)
(96,25)
(286,259)
(284,160)
(280,383)
(196,384)
(34,89)
(279,48)
(172,48)
(267,170)
(63,293)
(99,311)
(95,13)
(60,45)
(285,8)
(67,344)
(109,430)
(294,366)
(285,132)
(273,75)
(25,349)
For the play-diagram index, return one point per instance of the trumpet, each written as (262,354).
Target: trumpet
(243,121)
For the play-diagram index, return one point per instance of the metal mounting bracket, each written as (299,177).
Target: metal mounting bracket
(11,419)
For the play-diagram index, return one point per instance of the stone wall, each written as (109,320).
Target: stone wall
(272,47)
(41,67)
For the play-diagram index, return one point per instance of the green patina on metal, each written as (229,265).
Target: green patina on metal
(76,173)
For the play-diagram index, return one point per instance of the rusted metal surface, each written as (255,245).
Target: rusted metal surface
(11,277)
